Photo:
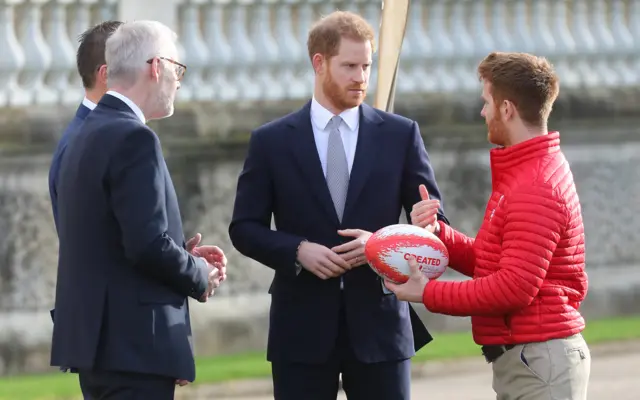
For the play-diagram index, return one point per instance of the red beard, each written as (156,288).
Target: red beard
(342,99)
(497,130)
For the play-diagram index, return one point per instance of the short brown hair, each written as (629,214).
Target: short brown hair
(90,56)
(528,81)
(325,35)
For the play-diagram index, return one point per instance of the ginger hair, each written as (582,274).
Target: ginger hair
(325,35)
(527,81)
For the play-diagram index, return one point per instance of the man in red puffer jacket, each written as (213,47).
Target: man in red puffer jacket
(528,258)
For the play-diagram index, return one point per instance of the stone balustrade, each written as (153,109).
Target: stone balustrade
(254,50)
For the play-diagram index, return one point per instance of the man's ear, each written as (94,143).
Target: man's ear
(508,110)
(319,63)
(101,75)
(155,69)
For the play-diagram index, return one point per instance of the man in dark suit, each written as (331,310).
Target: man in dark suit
(93,71)
(332,173)
(124,275)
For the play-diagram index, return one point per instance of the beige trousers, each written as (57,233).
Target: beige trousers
(554,370)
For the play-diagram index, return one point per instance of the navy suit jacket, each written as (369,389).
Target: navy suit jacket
(282,176)
(124,276)
(71,130)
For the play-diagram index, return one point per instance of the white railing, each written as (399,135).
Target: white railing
(239,50)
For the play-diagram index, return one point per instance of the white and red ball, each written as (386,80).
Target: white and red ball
(389,249)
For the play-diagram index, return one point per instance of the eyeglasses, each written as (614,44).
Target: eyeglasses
(180,68)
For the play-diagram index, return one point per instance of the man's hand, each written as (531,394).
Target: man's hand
(213,254)
(321,261)
(214,281)
(193,242)
(182,382)
(412,289)
(425,213)
(353,251)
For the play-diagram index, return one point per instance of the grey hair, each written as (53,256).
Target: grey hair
(130,47)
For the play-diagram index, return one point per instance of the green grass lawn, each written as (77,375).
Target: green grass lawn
(59,386)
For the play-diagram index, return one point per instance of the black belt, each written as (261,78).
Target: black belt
(493,352)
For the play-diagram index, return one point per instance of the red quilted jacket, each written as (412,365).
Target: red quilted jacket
(527,260)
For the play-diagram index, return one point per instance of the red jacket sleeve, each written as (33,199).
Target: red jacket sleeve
(460,248)
(534,222)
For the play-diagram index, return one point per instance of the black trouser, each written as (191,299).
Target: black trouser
(360,381)
(108,385)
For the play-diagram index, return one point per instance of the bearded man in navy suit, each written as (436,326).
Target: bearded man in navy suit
(330,174)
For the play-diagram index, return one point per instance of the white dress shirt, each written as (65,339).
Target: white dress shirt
(88,103)
(130,103)
(348,128)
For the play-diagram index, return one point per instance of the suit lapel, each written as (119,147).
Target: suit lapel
(365,157)
(305,152)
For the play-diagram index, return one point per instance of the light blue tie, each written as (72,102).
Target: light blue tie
(337,167)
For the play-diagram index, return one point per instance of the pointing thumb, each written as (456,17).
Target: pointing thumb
(424,194)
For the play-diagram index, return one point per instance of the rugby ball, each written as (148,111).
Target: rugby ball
(389,249)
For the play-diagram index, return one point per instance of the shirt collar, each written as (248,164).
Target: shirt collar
(88,103)
(320,116)
(130,103)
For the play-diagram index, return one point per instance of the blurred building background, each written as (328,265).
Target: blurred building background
(247,64)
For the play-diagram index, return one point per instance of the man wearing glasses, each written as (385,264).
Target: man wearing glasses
(124,273)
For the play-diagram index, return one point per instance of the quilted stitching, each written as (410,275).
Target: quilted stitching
(528,258)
